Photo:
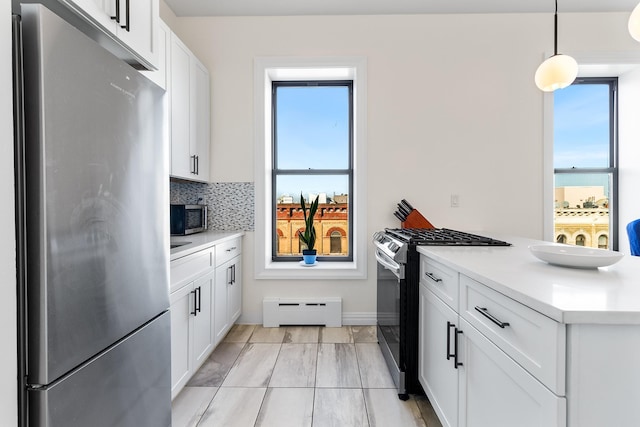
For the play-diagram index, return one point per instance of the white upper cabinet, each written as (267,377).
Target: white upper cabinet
(190,109)
(133,23)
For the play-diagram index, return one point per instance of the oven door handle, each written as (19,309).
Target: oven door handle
(389,265)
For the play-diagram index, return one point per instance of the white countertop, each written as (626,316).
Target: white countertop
(606,295)
(200,241)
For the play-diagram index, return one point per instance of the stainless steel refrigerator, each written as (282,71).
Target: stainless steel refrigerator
(93,246)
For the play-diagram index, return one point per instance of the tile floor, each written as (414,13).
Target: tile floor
(297,376)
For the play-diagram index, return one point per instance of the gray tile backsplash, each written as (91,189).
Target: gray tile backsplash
(231,204)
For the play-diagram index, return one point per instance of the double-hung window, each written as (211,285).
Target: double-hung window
(312,158)
(586,163)
(310,134)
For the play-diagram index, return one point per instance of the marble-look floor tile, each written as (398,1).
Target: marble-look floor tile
(337,366)
(270,335)
(364,333)
(286,407)
(340,407)
(214,370)
(336,335)
(428,414)
(253,367)
(296,366)
(234,407)
(301,334)
(239,333)
(385,409)
(190,404)
(373,368)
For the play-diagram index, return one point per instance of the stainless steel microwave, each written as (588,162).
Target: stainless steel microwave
(188,219)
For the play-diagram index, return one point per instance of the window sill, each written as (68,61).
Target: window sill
(323,270)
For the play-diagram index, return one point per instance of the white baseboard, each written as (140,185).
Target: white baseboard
(352,318)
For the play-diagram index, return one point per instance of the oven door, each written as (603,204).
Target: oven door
(390,280)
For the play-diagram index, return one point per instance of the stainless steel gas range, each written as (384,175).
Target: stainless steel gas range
(398,276)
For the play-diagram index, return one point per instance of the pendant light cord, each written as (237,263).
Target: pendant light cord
(555,31)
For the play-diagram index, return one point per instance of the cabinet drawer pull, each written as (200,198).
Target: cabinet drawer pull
(449,326)
(195,302)
(232,249)
(455,349)
(433,277)
(485,313)
(117,17)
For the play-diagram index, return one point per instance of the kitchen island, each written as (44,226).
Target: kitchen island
(526,342)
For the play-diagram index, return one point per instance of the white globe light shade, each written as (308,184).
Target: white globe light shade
(634,23)
(556,72)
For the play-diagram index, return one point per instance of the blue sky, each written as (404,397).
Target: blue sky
(313,133)
(581,126)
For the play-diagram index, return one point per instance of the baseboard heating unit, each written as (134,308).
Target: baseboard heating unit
(302,311)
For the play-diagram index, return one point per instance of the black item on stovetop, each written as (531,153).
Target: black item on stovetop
(442,237)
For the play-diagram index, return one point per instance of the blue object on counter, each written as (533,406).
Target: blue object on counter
(633,230)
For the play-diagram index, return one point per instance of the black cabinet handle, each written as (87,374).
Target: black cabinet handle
(433,277)
(449,326)
(199,299)
(455,349)
(230,275)
(117,17)
(197,165)
(195,302)
(193,168)
(126,9)
(485,313)
(233,274)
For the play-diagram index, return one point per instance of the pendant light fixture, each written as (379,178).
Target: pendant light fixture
(634,23)
(558,71)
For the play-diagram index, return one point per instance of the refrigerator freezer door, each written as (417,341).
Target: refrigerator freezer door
(127,386)
(97,232)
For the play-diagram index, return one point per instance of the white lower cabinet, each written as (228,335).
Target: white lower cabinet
(495,391)
(206,300)
(191,329)
(470,380)
(437,374)
(228,287)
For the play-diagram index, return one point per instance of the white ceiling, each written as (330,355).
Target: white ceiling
(386,7)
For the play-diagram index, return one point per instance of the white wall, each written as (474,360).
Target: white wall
(453,109)
(8,333)
(629,153)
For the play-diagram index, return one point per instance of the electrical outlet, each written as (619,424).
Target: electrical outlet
(455,201)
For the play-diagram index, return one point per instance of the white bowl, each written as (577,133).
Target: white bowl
(575,256)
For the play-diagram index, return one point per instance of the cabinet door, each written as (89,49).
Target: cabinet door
(138,27)
(235,290)
(179,76)
(496,391)
(202,319)
(437,373)
(199,116)
(98,11)
(180,308)
(221,316)
(159,76)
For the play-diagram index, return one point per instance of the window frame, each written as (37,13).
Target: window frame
(612,169)
(272,68)
(275,171)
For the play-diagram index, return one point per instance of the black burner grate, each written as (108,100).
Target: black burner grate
(442,237)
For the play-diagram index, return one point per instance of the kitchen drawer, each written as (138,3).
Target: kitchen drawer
(441,280)
(183,270)
(228,250)
(533,340)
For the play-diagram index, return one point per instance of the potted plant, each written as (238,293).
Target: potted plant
(308,238)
